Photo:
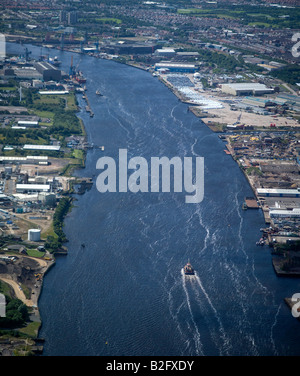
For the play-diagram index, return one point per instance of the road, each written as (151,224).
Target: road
(19,293)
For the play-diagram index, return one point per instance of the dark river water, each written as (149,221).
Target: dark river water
(124,293)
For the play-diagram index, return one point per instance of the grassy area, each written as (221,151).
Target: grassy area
(257,15)
(8,88)
(79,154)
(48,99)
(108,20)
(31,329)
(71,102)
(42,114)
(35,253)
(5,288)
(26,291)
(49,232)
(220,13)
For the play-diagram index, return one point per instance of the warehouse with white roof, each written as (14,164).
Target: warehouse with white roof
(274,192)
(22,188)
(41,147)
(246,88)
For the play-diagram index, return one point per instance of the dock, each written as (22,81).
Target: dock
(88,106)
(251,203)
(83,185)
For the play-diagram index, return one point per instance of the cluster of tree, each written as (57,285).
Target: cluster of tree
(59,215)
(61,210)
(16,314)
(65,123)
(218,60)
(289,74)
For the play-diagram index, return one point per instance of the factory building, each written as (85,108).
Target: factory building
(48,71)
(48,199)
(277,213)
(274,192)
(187,54)
(22,188)
(41,147)
(165,52)
(34,159)
(176,67)
(28,73)
(246,89)
(28,124)
(257,102)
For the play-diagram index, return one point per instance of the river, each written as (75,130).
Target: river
(124,293)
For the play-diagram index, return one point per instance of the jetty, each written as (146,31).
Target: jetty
(88,106)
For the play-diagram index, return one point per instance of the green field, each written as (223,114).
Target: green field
(108,20)
(35,253)
(248,15)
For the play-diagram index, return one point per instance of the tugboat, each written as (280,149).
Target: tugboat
(188,269)
(98,93)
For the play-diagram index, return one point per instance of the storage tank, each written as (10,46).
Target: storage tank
(34,235)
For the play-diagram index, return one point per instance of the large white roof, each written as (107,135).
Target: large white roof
(277,191)
(31,187)
(247,86)
(41,147)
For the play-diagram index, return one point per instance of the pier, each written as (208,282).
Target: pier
(88,106)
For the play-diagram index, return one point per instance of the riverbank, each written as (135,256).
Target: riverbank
(24,262)
(24,275)
(217,119)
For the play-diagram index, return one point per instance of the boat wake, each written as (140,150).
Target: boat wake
(200,304)
(196,336)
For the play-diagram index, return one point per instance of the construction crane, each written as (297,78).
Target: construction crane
(73,70)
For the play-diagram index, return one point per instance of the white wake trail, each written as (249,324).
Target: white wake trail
(198,343)
(226,344)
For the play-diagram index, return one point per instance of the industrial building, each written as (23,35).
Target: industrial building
(53,92)
(176,67)
(129,48)
(28,124)
(48,71)
(22,188)
(165,52)
(247,88)
(187,54)
(41,147)
(257,102)
(277,213)
(34,159)
(48,199)
(274,192)
(27,73)
(292,101)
